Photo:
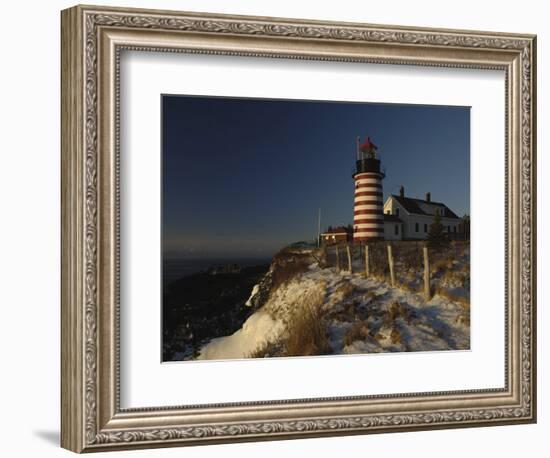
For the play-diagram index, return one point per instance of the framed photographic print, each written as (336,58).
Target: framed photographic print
(278,228)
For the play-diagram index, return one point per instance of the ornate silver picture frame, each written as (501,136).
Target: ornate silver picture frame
(93,39)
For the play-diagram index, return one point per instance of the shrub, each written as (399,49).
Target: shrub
(359,331)
(395,336)
(436,233)
(397,310)
(394,311)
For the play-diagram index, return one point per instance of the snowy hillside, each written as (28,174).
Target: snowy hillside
(312,310)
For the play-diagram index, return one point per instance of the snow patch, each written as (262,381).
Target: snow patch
(255,291)
(258,329)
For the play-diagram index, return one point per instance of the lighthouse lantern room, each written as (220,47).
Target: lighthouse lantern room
(368,216)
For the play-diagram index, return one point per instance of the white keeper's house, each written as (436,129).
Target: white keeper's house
(407,218)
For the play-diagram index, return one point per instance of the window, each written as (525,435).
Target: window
(425,228)
(454,229)
(396,230)
(448,228)
(397,212)
(416,227)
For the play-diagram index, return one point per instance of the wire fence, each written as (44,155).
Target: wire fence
(414,264)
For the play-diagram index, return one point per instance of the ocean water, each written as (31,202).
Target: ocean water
(176,268)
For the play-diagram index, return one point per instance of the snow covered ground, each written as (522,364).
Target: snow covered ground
(357,315)
(258,328)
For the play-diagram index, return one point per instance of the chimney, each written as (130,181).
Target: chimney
(402,191)
(428,197)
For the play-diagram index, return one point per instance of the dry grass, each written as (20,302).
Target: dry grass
(265,350)
(464,302)
(378,261)
(459,247)
(456,277)
(307,329)
(320,255)
(390,327)
(379,336)
(408,287)
(463,318)
(358,331)
(371,296)
(342,291)
(287,265)
(442,264)
(307,335)
(395,336)
(350,311)
(397,310)
(408,255)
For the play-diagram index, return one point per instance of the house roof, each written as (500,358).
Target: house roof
(411,205)
(337,230)
(391,218)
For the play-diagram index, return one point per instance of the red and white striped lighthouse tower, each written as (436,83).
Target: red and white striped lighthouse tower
(368,213)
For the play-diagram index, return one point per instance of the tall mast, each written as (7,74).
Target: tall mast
(319,227)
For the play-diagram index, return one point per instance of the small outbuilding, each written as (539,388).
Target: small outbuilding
(336,235)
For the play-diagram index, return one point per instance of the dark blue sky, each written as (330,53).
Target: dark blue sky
(244,177)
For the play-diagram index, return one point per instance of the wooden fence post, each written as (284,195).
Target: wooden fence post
(350,268)
(337,259)
(390,262)
(322,256)
(427,291)
(366,259)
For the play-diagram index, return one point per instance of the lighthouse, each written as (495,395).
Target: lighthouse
(368,216)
